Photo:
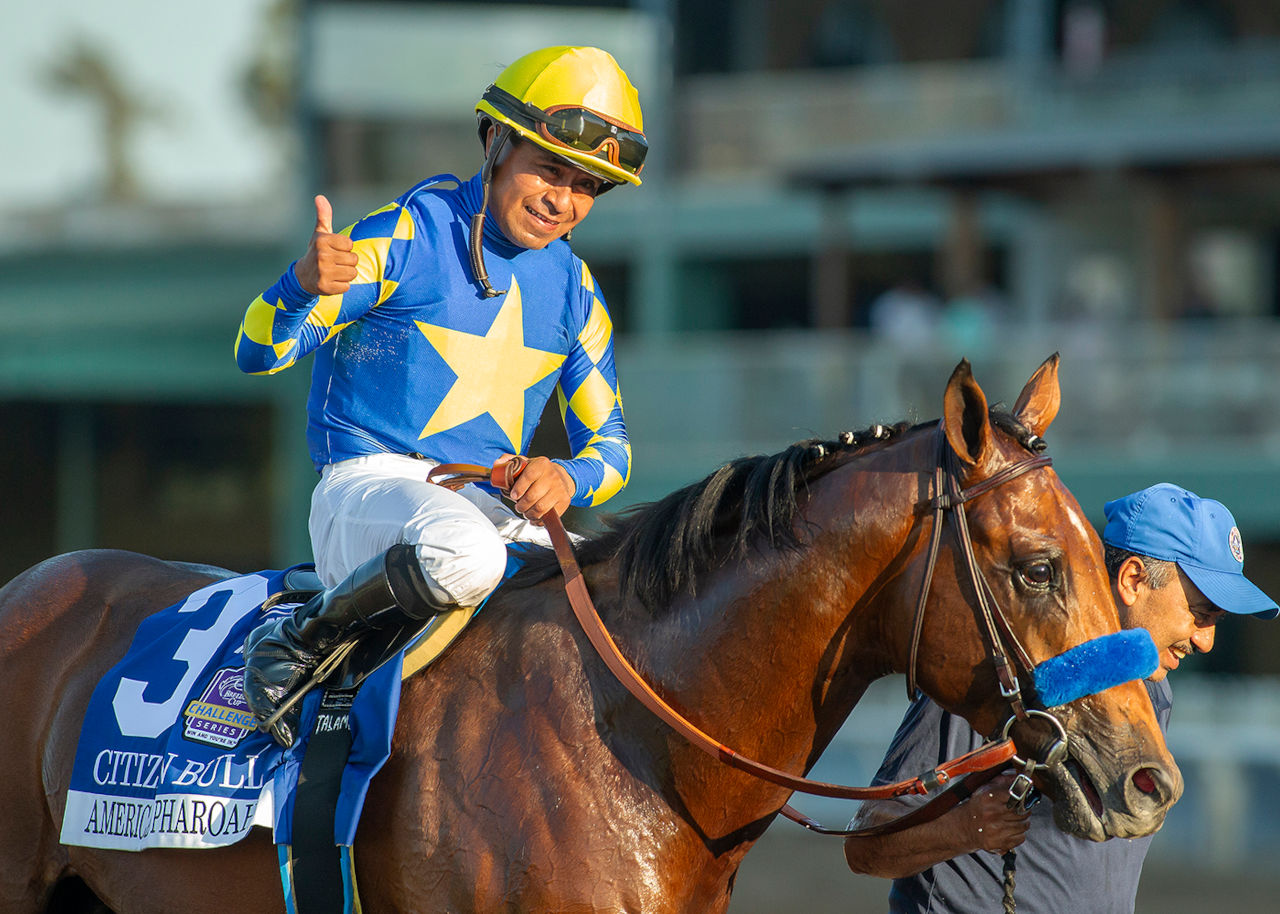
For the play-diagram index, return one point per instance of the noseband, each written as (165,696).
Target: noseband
(948,504)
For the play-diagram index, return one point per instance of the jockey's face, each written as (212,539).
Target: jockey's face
(537,197)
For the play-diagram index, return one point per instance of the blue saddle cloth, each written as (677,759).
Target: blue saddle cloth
(168,754)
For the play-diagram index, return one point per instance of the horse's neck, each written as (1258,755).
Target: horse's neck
(827,614)
(771,654)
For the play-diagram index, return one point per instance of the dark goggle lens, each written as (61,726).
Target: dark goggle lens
(584,131)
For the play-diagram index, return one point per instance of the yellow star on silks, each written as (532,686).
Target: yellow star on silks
(494,371)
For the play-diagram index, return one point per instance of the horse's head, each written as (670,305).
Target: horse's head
(1043,565)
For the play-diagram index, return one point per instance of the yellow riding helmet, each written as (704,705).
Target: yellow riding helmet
(577,103)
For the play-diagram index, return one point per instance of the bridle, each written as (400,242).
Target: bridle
(948,503)
(960,776)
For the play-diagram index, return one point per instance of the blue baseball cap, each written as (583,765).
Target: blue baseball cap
(1167,522)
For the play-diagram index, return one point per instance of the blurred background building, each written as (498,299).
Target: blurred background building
(844,197)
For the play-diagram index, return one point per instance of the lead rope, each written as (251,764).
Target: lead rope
(1010,866)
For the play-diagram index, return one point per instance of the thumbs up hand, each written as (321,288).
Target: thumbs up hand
(329,265)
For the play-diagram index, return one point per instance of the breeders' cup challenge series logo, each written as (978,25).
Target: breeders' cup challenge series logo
(220,716)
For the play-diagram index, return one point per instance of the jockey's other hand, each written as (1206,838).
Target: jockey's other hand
(329,264)
(541,487)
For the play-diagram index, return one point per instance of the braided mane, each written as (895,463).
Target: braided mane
(664,547)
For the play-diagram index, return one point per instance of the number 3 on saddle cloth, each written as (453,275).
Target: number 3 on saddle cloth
(169,755)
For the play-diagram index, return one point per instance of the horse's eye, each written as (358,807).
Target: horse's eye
(1037,574)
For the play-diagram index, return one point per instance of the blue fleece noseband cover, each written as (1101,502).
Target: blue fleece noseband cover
(1096,665)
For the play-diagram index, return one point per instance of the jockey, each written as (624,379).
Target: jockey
(424,356)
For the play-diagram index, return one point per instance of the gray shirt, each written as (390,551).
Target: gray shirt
(1055,871)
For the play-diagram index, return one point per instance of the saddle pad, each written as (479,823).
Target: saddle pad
(436,635)
(168,754)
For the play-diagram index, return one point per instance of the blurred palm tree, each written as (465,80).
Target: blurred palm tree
(86,70)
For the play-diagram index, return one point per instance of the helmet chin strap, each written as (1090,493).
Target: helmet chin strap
(477,221)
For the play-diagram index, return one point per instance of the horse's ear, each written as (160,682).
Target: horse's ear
(1039,401)
(964,416)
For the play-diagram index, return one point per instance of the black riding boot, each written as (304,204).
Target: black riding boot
(281,655)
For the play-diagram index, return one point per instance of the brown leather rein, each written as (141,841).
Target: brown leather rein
(960,776)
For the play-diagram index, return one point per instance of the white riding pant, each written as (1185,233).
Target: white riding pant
(363,506)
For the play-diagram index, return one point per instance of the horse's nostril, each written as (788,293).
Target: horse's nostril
(1144,779)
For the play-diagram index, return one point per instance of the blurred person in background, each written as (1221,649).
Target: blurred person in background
(442,323)
(1176,563)
(969,320)
(907,314)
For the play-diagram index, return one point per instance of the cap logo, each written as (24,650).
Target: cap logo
(1236,546)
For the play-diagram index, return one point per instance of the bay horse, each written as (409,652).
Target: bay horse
(760,601)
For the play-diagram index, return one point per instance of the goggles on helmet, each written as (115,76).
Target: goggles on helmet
(577,128)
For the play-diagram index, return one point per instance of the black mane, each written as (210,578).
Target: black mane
(663,547)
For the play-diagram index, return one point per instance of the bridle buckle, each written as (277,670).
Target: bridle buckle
(1011,692)
(1019,790)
